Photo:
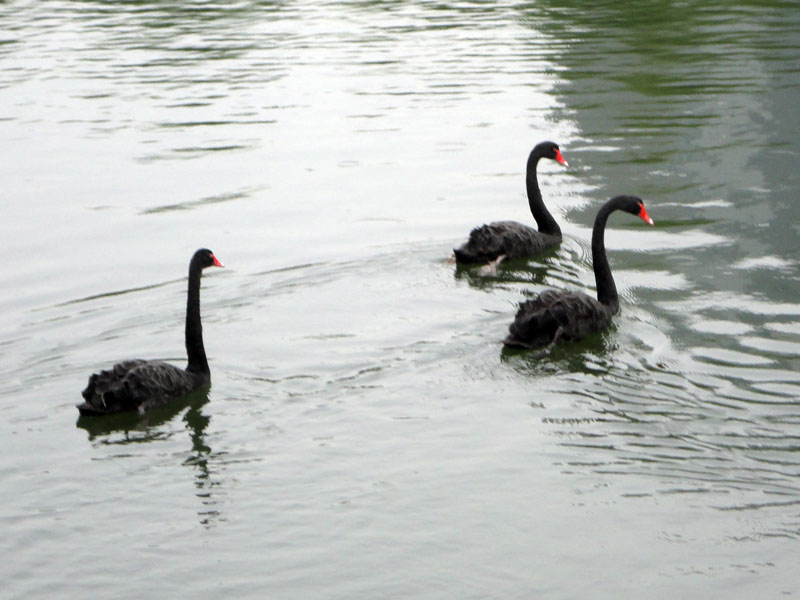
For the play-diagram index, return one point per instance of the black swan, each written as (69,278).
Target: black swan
(141,384)
(561,316)
(508,239)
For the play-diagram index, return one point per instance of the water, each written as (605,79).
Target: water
(365,434)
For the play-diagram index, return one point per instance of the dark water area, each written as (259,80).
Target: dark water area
(365,433)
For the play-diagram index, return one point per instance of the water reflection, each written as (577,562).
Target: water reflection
(130,428)
(688,99)
(486,278)
(569,265)
(689,107)
(343,107)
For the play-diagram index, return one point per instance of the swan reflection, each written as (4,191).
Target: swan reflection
(129,428)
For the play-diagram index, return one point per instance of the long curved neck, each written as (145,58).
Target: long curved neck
(606,288)
(545,221)
(194,329)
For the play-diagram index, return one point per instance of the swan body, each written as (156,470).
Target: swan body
(510,239)
(562,316)
(142,384)
(556,316)
(137,385)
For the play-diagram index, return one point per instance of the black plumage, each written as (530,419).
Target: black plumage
(141,384)
(510,239)
(561,316)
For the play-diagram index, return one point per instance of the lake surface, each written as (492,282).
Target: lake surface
(366,435)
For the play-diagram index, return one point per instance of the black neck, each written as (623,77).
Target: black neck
(544,220)
(606,288)
(194,329)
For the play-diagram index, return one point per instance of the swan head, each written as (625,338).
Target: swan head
(633,205)
(206,258)
(549,150)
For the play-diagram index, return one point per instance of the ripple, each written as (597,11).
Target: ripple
(720,327)
(772,346)
(729,357)
(192,204)
(764,262)
(717,301)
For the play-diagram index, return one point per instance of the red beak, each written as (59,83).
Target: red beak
(217,262)
(560,158)
(644,216)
